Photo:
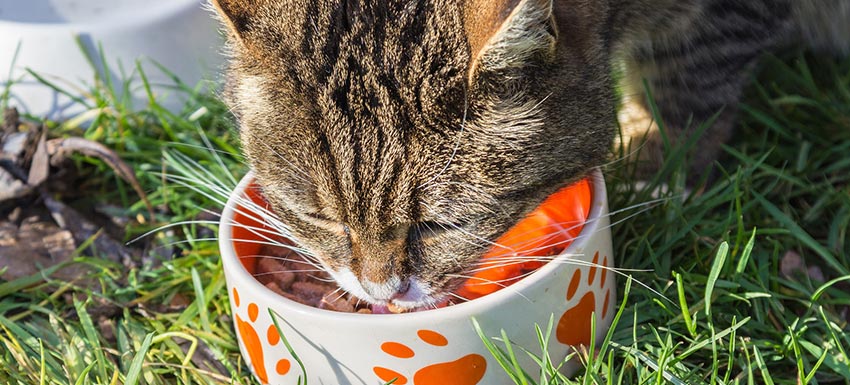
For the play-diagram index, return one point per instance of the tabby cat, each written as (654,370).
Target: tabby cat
(398,138)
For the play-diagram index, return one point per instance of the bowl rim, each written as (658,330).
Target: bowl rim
(598,211)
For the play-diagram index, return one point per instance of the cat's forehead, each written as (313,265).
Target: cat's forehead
(399,39)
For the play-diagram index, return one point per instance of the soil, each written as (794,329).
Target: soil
(46,213)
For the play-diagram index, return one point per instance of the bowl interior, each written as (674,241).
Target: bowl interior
(543,234)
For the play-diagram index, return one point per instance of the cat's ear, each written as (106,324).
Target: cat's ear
(236,15)
(505,34)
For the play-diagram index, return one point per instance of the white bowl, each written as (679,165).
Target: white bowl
(179,34)
(433,347)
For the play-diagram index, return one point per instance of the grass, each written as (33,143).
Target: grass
(734,316)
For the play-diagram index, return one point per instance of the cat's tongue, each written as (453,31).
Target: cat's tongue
(391,308)
(380,309)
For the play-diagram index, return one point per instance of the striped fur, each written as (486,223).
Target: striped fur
(696,69)
(398,138)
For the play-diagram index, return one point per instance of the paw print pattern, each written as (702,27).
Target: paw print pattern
(253,345)
(466,370)
(574,326)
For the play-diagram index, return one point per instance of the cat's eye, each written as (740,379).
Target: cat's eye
(428,229)
(324,222)
(419,230)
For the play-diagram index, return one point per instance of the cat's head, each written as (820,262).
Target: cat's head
(399,138)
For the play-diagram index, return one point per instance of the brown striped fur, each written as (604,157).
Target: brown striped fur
(398,137)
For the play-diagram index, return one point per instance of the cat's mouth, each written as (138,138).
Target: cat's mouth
(390,296)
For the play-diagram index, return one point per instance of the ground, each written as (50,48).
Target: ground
(747,280)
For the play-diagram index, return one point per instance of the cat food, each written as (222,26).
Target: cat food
(522,250)
(288,274)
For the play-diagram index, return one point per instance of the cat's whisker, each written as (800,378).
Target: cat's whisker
(494,266)
(327,280)
(212,239)
(217,158)
(557,259)
(485,281)
(634,148)
(170,225)
(457,141)
(484,241)
(547,246)
(578,262)
(306,257)
(314,270)
(191,168)
(212,150)
(219,198)
(305,177)
(644,206)
(339,290)
(501,282)
(199,179)
(265,273)
(255,230)
(305,260)
(257,213)
(467,237)
(220,192)
(486,206)
(458,296)
(263,233)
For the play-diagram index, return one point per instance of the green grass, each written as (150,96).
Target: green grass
(732,318)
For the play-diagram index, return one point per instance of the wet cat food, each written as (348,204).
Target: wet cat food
(288,274)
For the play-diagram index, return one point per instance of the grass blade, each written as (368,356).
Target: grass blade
(714,273)
(801,234)
(138,360)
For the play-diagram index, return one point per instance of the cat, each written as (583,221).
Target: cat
(399,138)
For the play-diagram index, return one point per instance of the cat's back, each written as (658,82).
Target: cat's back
(824,24)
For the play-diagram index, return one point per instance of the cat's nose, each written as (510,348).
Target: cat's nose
(402,290)
(392,288)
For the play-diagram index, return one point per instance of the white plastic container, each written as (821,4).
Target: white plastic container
(50,37)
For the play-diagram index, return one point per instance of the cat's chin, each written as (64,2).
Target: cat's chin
(402,306)
(418,296)
(408,303)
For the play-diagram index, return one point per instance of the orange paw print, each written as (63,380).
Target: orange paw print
(467,370)
(574,325)
(251,339)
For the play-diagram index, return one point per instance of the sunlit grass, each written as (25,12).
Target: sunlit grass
(734,316)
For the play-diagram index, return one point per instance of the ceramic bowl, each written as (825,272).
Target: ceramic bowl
(53,38)
(432,347)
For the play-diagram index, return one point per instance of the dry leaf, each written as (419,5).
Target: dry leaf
(40,166)
(60,148)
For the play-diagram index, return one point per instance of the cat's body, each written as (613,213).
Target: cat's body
(398,139)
